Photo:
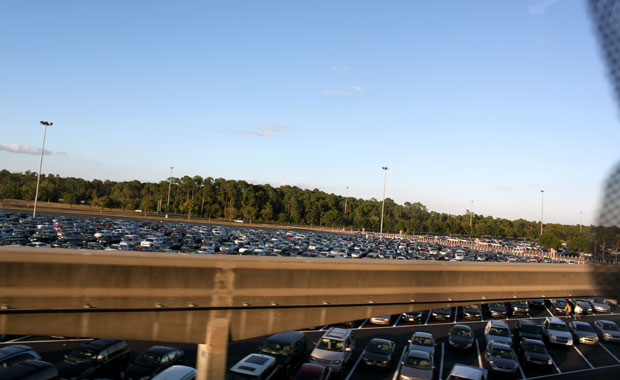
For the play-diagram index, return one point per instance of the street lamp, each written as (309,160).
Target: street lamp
(542,208)
(169,186)
(36,195)
(383,203)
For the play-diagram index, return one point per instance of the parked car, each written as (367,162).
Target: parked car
(467,372)
(312,371)
(11,355)
(97,358)
(607,330)
(422,341)
(583,332)
(289,349)
(497,331)
(417,365)
(556,331)
(536,304)
(152,361)
(443,314)
(534,353)
(500,358)
(383,320)
(334,349)
(498,310)
(599,305)
(177,372)
(379,353)
(472,312)
(527,329)
(412,317)
(29,370)
(582,307)
(520,308)
(253,366)
(558,306)
(460,337)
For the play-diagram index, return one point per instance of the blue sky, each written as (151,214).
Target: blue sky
(488,101)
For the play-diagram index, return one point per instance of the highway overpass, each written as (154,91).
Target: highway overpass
(209,299)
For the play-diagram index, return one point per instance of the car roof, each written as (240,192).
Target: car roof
(423,334)
(337,333)
(315,369)
(286,337)
(100,344)
(582,323)
(419,354)
(12,350)
(253,364)
(160,349)
(461,327)
(496,323)
(174,373)
(527,322)
(534,341)
(381,341)
(555,320)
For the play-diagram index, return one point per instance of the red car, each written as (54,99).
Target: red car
(311,371)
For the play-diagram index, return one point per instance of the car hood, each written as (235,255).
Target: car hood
(583,334)
(507,363)
(415,373)
(537,356)
(376,356)
(461,340)
(135,371)
(327,355)
(565,334)
(70,370)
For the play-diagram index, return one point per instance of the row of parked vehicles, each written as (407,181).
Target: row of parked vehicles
(101,358)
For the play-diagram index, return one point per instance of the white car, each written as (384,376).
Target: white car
(556,331)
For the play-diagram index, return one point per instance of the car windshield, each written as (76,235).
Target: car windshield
(275,348)
(497,331)
(502,353)
(461,332)
(147,359)
(584,327)
(536,348)
(557,327)
(610,326)
(331,345)
(81,355)
(422,341)
(378,348)
(418,363)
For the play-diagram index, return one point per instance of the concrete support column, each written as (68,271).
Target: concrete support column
(211,360)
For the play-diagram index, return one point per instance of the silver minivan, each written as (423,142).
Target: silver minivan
(334,349)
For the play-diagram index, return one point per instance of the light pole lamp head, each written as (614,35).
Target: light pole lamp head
(47,123)
(384,167)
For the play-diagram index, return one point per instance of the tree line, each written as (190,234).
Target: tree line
(230,199)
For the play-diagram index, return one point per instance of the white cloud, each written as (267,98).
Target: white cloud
(345,92)
(339,68)
(25,149)
(540,8)
(61,153)
(267,130)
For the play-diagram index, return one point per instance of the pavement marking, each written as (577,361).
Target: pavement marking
(479,357)
(555,365)
(402,356)
(397,320)
(583,357)
(609,352)
(441,363)
(575,371)
(355,365)
(363,323)
(428,317)
(55,340)
(18,339)
(549,311)
(521,370)
(456,312)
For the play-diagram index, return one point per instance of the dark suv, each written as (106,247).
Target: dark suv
(15,354)
(290,350)
(98,358)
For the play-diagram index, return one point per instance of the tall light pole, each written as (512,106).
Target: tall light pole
(542,209)
(169,186)
(346,198)
(383,203)
(471,218)
(580,221)
(36,195)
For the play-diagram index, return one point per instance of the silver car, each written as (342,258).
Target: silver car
(608,330)
(599,306)
(583,332)
(422,341)
(418,365)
